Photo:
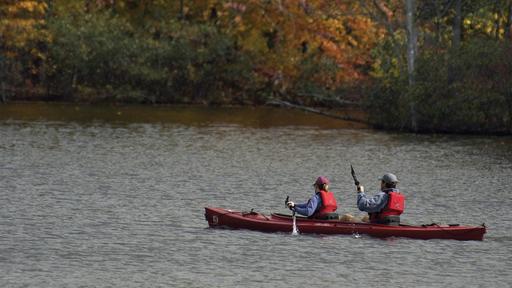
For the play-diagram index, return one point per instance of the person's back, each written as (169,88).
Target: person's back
(387,205)
(322,205)
(328,205)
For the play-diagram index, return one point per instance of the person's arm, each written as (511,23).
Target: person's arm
(309,208)
(371,204)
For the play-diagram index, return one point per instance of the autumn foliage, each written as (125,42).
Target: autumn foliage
(242,51)
(322,53)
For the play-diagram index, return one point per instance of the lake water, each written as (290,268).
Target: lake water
(115,197)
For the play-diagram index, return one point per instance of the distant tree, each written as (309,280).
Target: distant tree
(23,42)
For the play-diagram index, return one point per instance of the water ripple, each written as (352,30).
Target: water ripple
(121,205)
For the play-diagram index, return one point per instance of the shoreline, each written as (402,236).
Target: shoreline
(187,114)
(350,114)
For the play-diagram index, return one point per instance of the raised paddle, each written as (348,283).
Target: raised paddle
(356,182)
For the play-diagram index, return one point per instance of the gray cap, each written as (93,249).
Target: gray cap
(389,178)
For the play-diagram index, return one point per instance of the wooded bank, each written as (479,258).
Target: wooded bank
(422,66)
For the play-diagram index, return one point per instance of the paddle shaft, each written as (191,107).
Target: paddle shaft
(286,202)
(294,229)
(356,182)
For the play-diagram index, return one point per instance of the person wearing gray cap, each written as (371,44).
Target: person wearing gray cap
(387,205)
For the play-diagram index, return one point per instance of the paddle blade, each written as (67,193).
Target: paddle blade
(354,175)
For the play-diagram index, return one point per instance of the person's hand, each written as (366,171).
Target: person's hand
(290,205)
(360,188)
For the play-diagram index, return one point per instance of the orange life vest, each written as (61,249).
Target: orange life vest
(394,207)
(329,204)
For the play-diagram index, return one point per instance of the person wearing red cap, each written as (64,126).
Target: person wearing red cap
(322,205)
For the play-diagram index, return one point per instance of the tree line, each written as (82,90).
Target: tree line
(440,65)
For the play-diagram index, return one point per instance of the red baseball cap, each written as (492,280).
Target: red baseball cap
(321,180)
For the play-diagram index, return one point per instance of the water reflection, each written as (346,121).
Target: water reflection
(254,117)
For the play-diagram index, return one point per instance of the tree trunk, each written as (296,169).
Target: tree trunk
(182,14)
(4,70)
(3,97)
(497,13)
(438,24)
(88,6)
(457,25)
(384,10)
(410,7)
(509,21)
(45,74)
(411,39)
(456,39)
(113,8)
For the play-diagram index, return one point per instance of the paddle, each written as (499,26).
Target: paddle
(356,182)
(295,231)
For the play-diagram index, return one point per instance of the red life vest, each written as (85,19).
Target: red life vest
(329,204)
(394,207)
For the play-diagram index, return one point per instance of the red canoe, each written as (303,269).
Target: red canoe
(218,217)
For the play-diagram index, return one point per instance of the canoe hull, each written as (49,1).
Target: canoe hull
(222,218)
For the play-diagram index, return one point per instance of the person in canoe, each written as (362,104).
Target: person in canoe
(387,205)
(322,205)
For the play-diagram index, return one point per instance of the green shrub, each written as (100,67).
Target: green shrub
(104,55)
(465,91)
